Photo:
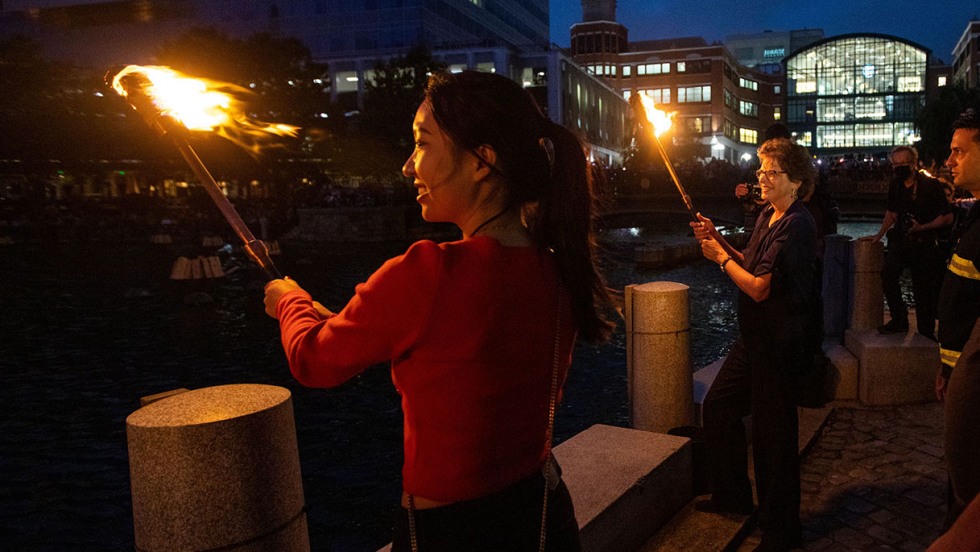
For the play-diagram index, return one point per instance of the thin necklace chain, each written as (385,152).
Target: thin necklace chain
(486,222)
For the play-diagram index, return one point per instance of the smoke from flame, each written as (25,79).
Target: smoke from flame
(202,105)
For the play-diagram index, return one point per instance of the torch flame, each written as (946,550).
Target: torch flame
(200,104)
(661,120)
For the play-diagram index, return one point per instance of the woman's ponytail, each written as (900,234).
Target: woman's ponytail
(564,220)
(546,170)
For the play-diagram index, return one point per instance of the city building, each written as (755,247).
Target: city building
(765,51)
(721,107)
(966,56)
(856,93)
(575,98)
(509,37)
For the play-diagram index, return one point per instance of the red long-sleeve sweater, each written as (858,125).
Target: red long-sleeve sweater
(469,327)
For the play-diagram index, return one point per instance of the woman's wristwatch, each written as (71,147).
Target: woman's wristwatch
(723,263)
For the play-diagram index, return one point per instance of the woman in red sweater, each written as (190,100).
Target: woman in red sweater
(479,331)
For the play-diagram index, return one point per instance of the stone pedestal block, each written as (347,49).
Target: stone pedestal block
(625,484)
(703,379)
(893,369)
(844,372)
(217,469)
(867,307)
(658,356)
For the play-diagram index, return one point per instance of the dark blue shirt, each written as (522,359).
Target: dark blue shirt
(787,250)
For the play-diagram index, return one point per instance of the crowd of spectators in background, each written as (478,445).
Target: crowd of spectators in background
(32,213)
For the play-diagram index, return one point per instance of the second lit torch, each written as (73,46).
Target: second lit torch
(661,122)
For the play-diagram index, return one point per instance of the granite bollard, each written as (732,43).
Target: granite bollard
(658,356)
(217,469)
(866,306)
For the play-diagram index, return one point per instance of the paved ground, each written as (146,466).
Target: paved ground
(873,480)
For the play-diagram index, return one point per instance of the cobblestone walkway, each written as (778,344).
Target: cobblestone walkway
(874,481)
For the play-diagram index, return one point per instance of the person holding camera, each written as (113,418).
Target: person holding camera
(917,209)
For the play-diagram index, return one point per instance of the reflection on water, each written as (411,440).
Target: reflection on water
(87,330)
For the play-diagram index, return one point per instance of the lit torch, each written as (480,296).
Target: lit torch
(175,104)
(661,122)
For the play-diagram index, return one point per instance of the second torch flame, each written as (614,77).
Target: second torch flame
(661,122)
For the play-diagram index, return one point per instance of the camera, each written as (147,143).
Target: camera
(905,222)
(755,192)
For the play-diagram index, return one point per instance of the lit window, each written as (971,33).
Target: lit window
(626,70)
(694,94)
(910,84)
(653,69)
(806,87)
(658,95)
(696,125)
(681,66)
(748,136)
(777,113)
(941,81)
(749,109)
(746,83)
(777,89)
(346,81)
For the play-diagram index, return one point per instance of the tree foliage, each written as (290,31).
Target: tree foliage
(287,85)
(936,120)
(29,106)
(393,96)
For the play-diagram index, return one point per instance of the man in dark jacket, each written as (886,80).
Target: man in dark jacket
(917,208)
(959,333)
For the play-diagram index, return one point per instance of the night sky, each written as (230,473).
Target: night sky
(935,24)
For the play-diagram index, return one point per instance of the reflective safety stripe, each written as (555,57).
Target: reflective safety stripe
(949,356)
(963,267)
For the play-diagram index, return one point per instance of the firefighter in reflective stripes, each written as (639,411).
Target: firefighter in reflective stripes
(958,383)
(962,284)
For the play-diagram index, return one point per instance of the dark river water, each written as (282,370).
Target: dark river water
(86,330)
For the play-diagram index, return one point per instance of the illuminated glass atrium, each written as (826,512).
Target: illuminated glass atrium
(855,93)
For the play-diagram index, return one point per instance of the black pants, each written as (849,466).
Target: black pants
(760,383)
(925,263)
(506,521)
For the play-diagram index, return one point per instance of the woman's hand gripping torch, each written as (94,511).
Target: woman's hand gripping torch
(661,122)
(175,104)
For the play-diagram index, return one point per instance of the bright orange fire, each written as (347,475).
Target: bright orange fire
(661,120)
(202,105)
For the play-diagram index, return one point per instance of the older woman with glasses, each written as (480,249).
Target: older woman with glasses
(777,279)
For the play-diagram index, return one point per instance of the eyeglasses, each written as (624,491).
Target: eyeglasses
(770,174)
